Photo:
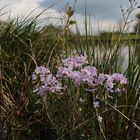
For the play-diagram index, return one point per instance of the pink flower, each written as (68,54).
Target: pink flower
(100,79)
(89,71)
(119,78)
(76,77)
(74,62)
(63,72)
(42,70)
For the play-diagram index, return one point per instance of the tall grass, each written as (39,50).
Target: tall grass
(24,115)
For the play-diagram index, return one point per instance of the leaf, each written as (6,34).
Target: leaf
(71,22)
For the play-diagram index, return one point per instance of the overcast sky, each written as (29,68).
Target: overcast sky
(105,14)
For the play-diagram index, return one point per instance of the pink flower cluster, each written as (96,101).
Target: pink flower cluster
(44,81)
(112,83)
(77,70)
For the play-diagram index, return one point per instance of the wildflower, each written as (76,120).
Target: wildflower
(119,78)
(100,119)
(95,104)
(115,82)
(46,81)
(74,62)
(89,70)
(100,79)
(52,84)
(76,77)
(73,69)
(42,70)
(117,90)
(63,72)
(34,77)
(40,90)
(41,73)
(89,74)
(109,83)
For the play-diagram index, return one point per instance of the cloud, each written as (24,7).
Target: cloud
(95,25)
(22,7)
(103,9)
(105,14)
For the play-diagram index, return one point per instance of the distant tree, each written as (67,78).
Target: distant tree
(137,25)
(52,32)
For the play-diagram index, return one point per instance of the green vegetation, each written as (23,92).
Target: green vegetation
(25,115)
(110,38)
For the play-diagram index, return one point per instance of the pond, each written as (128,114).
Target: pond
(123,55)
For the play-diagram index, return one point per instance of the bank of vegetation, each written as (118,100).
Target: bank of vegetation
(70,116)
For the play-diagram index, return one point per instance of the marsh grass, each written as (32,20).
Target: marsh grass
(24,115)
